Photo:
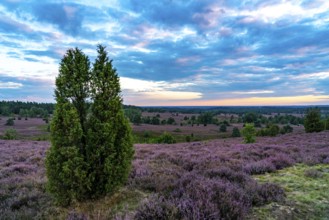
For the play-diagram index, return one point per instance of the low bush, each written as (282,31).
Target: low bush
(236,132)
(10,122)
(223,128)
(10,134)
(286,129)
(165,138)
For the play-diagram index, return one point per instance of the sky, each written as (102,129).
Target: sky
(173,52)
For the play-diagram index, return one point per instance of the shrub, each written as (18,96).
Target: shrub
(286,129)
(236,132)
(270,130)
(223,128)
(10,122)
(248,133)
(146,134)
(259,167)
(273,130)
(166,138)
(177,130)
(171,121)
(91,143)
(270,192)
(10,134)
(312,121)
(188,138)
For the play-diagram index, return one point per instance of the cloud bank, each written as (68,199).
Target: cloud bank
(167,52)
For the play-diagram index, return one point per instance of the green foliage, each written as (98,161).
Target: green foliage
(273,130)
(177,130)
(171,121)
(248,133)
(326,124)
(10,134)
(270,130)
(250,117)
(312,122)
(236,132)
(91,143)
(286,129)
(10,122)
(134,115)
(223,128)
(155,120)
(205,118)
(188,138)
(166,138)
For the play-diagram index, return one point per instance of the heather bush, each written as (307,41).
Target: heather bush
(281,160)
(259,167)
(157,207)
(269,192)
(248,133)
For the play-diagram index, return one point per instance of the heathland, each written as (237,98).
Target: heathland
(187,165)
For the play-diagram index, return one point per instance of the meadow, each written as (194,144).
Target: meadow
(280,177)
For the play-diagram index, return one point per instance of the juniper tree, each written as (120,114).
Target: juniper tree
(110,148)
(91,145)
(65,162)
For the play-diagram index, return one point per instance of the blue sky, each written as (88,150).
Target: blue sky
(174,52)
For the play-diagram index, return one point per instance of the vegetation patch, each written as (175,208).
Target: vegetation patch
(307,191)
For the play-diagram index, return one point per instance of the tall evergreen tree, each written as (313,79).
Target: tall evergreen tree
(110,147)
(65,163)
(91,145)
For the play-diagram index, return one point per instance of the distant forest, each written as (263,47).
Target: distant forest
(34,109)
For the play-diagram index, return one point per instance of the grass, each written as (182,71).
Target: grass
(121,204)
(307,190)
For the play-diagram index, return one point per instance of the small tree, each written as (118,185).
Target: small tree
(249,132)
(223,128)
(312,122)
(236,132)
(110,144)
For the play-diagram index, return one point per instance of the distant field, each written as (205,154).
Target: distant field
(30,129)
(38,129)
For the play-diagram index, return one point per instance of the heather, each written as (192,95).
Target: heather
(219,179)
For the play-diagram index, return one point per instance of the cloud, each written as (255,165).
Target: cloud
(180,51)
(10,85)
